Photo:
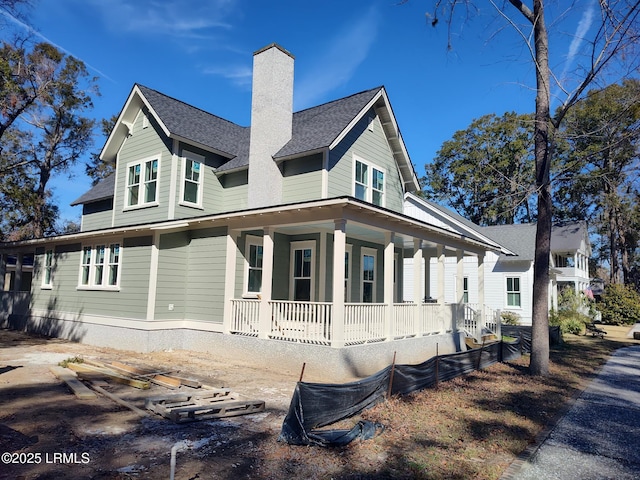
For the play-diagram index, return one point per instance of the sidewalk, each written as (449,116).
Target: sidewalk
(599,437)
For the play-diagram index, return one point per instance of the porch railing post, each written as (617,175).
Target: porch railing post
(338,317)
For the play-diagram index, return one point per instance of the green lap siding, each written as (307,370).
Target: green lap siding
(64,296)
(302,179)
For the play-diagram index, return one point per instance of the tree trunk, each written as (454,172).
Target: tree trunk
(539,364)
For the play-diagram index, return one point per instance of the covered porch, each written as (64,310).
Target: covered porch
(330,273)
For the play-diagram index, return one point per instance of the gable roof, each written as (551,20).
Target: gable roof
(569,237)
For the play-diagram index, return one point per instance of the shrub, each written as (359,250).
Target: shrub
(510,318)
(574,311)
(620,305)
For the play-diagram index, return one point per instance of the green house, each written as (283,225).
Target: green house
(281,242)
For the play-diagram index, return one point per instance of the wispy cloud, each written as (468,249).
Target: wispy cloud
(578,39)
(238,74)
(193,19)
(37,34)
(344,53)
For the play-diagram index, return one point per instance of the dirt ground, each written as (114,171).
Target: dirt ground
(53,435)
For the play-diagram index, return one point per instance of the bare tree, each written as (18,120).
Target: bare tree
(614,42)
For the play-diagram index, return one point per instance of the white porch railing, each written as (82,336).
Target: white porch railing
(311,322)
(477,326)
(364,322)
(306,322)
(245,317)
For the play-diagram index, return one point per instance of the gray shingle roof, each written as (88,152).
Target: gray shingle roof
(520,239)
(101,191)
(194,124)
(568,237)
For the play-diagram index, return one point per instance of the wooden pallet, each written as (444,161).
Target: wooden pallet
(215,403)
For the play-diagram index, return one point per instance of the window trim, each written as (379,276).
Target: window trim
(48,262)
(188,156)
(142,183)
(507,291)
(369,188)
(348,250)
(248,241)
(302,245)
(370,252)
(107,265)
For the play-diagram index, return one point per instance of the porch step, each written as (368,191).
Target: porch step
(486,340)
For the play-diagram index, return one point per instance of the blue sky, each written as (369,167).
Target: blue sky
(200,52)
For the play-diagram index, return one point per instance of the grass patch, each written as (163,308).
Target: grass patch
(471,427)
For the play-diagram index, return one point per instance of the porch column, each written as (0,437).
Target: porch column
(441,259)
(3,270)
(337,319)
(388,282)
(267,282)
(427,274)
(481,288)
(417,283)
(17,283)
(459,287)
(230,279)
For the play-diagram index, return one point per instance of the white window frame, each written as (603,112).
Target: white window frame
(91,266)
(348,250)
(369,181)
(303,245)
(257,241)
(369,252)
(194,158)
(48,262)
(142,183)
(507,291)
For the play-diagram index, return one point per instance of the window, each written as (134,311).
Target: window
(368,275)
(254,257)
(142,183)
(192,179)
(465,290)
(369,183)
(513,292)
(347,273)
(48,269)
(100,266)
(302,263)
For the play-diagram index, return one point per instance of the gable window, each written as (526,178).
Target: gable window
(253,273)
(369,182)
(142,183)
(513,292)
(368,266)
(100,266)
(192,179)
(302,264)
(47,277)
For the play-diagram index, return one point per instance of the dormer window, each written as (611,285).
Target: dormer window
(142,183)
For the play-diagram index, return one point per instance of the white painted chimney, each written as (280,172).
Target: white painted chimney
(271,122)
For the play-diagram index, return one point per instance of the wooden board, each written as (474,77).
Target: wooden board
(91,372)
(78,388)
(154,377)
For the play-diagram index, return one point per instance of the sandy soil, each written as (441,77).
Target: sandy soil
(52,434)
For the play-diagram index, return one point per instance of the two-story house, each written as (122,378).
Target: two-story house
(282,241)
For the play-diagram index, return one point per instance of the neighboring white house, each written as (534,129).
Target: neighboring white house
(508,276)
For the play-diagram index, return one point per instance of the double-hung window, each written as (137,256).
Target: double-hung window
(100,266)
(142,183)
(254,258)
(513,292)
(192,179)
(368,267)
(302,264)
(369,182)
(47,277)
